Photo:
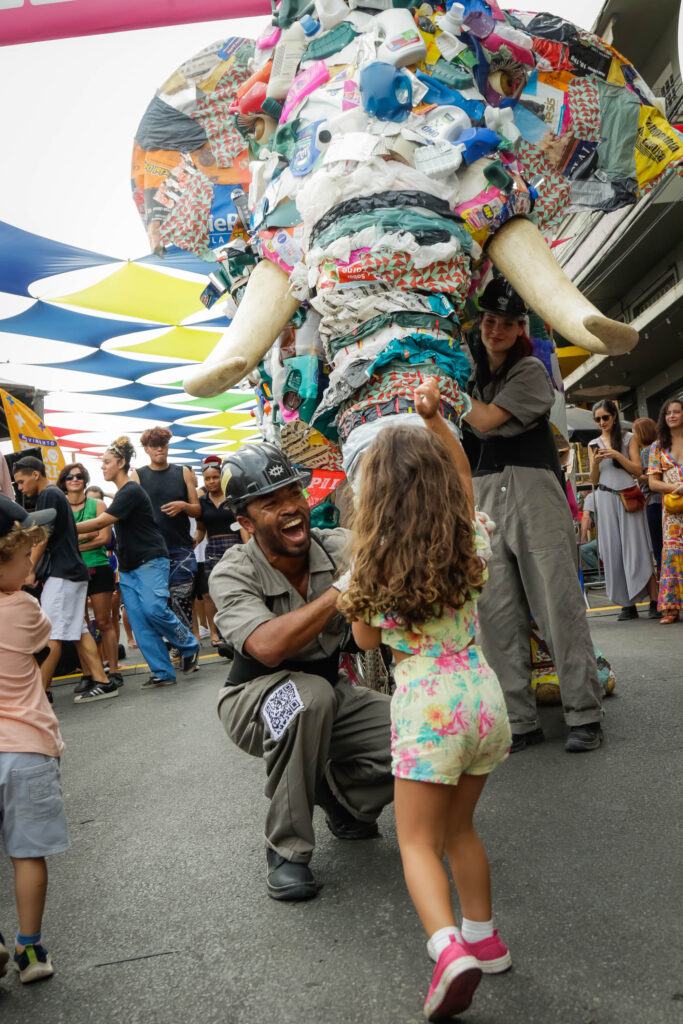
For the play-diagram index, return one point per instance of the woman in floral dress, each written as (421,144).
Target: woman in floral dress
(666,476)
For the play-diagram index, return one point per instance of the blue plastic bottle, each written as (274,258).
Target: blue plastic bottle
(386,92)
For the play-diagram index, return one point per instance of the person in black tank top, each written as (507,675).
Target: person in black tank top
(173,493)
(215,523)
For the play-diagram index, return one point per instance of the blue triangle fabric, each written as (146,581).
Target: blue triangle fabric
(25,257)
(43,320)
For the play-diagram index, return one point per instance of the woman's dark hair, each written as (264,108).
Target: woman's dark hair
(644,431)
(61,479)
(123,449)
(616,436)
(522,349)
(663,432)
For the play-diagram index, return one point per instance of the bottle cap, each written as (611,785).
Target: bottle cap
(272,108)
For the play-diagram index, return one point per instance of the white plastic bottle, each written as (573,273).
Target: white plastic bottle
(452,20)
(444,124)
(331,12)
(288,52)
(401,44)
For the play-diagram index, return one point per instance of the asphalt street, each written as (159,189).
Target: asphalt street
(158,913)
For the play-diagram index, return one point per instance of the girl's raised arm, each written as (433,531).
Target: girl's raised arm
(427,398)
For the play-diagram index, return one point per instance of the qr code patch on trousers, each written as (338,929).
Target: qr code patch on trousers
(283,705)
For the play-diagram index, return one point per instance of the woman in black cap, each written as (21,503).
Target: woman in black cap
(533,568)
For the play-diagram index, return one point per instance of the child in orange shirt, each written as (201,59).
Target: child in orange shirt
(32,819)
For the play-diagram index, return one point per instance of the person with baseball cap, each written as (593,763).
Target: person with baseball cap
(323,741)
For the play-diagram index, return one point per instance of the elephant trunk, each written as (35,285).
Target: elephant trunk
(520,252)
(265,308)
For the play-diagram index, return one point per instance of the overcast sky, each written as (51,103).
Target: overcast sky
(69,110)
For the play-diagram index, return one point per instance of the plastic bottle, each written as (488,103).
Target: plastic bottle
(402,44)
(445,124)
(452,20)
(304,83)
(331,12)
(387,92)
(268,38)
(288,53)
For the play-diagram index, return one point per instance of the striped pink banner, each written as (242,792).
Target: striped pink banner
(27,21)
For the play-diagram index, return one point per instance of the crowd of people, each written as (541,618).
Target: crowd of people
(451,554)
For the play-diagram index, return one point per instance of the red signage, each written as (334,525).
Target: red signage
(27,21)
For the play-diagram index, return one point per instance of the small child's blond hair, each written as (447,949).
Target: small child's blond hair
(18,537)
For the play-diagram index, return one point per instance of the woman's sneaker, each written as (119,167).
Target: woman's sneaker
(455,978)
(33,963)
(4,956)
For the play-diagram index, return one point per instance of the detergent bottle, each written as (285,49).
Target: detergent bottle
(386,91)
(288,53)
(401,44)
(444,124)
(331,12)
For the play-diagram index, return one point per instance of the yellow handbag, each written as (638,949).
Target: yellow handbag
(673,503)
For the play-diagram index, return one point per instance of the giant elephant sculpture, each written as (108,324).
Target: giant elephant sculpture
(358,170)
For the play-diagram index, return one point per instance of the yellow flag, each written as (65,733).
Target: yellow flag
(27,430)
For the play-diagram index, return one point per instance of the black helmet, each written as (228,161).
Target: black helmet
(255,470)
(500,297)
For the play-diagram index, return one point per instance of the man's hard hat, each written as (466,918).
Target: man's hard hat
(256,470)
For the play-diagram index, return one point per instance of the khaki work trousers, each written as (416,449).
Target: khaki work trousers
(340,732)
(533,568)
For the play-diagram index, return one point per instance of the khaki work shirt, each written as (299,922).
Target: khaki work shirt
(244,579)
(525,391)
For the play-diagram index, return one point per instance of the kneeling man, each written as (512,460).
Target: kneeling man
(323,740)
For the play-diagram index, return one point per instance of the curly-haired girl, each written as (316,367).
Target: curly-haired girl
(417,572)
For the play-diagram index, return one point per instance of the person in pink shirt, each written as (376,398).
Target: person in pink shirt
(32,819)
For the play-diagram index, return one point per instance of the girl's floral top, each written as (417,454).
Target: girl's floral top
(450,631)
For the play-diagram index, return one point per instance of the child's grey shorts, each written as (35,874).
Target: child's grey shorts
(32,818)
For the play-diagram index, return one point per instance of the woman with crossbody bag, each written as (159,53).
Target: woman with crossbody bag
(623,535)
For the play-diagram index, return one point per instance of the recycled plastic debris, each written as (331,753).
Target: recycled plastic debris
(372,154)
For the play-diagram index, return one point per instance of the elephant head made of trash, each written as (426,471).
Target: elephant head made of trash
(358,170)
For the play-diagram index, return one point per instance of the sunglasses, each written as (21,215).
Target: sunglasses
(75,476)
(601,419)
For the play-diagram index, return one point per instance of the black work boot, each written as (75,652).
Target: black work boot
(341,822)
(627,613)
(286,880)
(583,738)
(522,740)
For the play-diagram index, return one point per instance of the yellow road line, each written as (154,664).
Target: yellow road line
(126,668)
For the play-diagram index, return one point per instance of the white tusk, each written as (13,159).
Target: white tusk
(520,252)
(265,309)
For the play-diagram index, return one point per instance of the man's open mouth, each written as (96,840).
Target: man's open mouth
(295,529)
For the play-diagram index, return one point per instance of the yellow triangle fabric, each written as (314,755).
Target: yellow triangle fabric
(221,420)
(140,292)
(180,343)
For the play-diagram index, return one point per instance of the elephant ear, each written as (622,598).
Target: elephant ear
(589,125)
(190,153)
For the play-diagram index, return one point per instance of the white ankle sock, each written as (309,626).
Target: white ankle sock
(475,931)
(441,939)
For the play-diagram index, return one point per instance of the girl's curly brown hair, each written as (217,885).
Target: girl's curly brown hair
(413,550)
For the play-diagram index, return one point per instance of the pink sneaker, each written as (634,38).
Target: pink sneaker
(455,978)
(491,954)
